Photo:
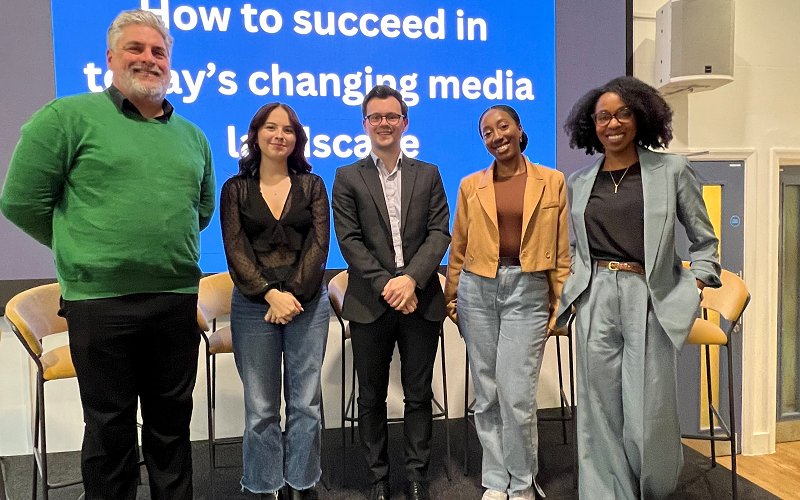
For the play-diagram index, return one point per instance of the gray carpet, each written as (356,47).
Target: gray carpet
(699,481)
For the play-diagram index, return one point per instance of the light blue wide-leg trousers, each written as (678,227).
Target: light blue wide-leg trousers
(628,432)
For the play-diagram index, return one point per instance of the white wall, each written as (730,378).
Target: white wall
(65,420)
(757,117)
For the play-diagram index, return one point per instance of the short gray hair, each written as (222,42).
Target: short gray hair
(137,17)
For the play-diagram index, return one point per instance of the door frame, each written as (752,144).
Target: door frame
(779,158)
(787,429)
(760,273)
(691,389)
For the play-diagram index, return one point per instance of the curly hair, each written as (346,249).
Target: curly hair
(653,115)
(514,116)
(250,162)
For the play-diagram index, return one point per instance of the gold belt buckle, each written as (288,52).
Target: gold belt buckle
(613,266)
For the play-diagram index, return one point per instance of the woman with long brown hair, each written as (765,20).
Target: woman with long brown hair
(276,231)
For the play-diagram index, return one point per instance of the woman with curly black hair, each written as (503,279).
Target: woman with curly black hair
(634,301)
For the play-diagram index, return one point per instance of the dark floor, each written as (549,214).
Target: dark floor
(698,480)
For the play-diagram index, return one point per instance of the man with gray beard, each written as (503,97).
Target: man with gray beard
(119,187)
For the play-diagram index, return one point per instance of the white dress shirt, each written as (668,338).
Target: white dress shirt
(390,182)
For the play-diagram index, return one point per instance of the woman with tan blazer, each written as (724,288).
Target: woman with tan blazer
(509,257)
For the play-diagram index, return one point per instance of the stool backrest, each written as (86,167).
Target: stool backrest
(337,286)
(33,315)
(730,299)
(213,298)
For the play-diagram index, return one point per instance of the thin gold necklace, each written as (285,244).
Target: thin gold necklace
(616,184)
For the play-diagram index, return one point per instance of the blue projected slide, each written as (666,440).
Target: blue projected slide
(450,59)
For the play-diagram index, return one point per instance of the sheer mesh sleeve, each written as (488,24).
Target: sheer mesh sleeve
(306,278)
(242,262)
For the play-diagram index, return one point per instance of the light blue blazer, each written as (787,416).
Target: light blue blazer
(670,191)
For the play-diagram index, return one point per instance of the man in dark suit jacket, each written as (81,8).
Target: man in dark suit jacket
(391,219)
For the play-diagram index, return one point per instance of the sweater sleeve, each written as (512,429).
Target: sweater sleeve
(37,174)
(207,190)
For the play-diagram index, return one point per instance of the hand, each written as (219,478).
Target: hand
(700,284)
(398,291)
(411,305)
(270,317)
(452,311)
(283,306)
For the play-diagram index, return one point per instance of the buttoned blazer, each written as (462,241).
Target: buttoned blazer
(545,235)
(361,221)
(671,192)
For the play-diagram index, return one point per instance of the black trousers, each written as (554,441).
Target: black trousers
(373,345)
(135,347)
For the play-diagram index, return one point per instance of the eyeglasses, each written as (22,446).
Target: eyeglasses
(603,118)
(391,118)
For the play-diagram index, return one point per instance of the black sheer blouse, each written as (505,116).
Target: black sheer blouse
(263,253)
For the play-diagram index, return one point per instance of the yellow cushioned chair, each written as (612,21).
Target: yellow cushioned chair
(730,301)
(33,315)
(214,301)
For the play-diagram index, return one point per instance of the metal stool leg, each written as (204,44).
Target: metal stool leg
(43,443)
(710,404)
(326,469)
(209,417)
(732,409)
(561,392)
(466,413)
(35,489)
(446,408)
(343,415)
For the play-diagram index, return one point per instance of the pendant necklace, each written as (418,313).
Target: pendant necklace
(616,184)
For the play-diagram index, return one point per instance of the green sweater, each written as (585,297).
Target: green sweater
(119,198)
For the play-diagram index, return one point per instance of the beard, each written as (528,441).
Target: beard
(154,91)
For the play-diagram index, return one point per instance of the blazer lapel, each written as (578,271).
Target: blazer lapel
(534,189)
(485,194)
(581,190)
(654,191)
(408,176)
(369,172)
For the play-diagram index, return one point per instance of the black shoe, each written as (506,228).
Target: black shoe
(307,494)
(417,490)
(380,491)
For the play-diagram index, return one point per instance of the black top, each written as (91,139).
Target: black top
(289,253)
(615,221)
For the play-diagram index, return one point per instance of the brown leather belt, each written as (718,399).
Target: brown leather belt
(633,267)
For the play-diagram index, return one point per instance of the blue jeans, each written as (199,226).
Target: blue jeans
(257,348)
(504,324)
